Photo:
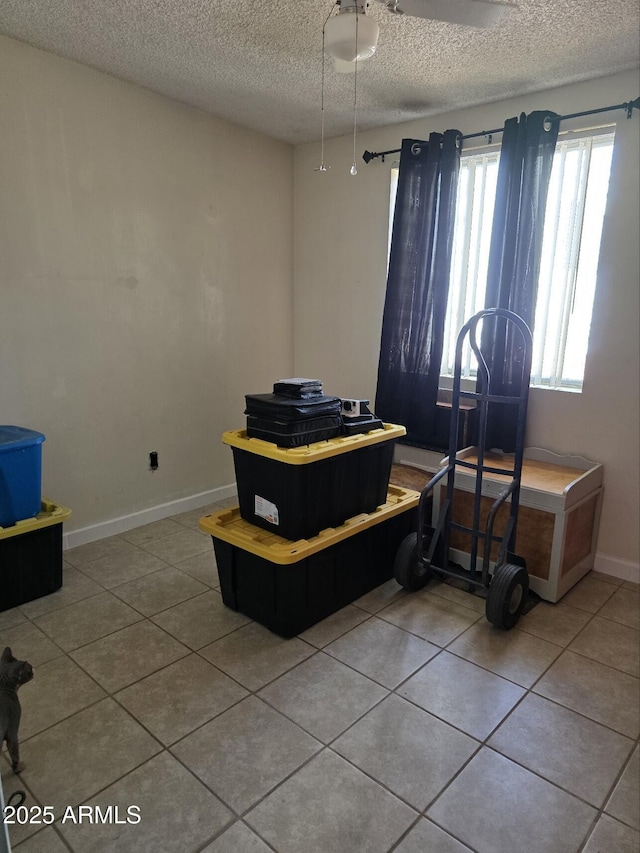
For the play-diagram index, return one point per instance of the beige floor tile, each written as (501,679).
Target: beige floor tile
(606,695)
(159,590)
(225,503)
(625,800)
(179,546)
(462,694)
(75,587)
(601,576)
(115,569)
(623,606)
(59,689)
(382,596)
(79,756)
(631,585)
(202,567)
(200,620)
(575,753)
(142,535)
(323,696)
(28,642)
(512,654)
(237,839)
(85,554)
(426,837)
(11,618)
(382,652)
(327,630)
(610,643)
(245,752)
(406,749)
(127,655)
(255,656)
(193,516)
(176,813)
(329,805)
(557,623)
(177,700)
(556,751)
(45,841)
(12,782)
(431,617)
(85,621)
(510,805)
(459,596)
(610,836)
(589,594)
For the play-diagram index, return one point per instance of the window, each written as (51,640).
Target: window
(570,249)
(471,240)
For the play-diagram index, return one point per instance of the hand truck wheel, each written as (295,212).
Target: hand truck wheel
(408,568)
(507,595)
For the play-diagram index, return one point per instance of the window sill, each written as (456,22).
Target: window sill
(446,386)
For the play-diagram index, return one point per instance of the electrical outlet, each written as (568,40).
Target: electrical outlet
(153,460)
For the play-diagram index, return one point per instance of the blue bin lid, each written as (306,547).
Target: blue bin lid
(15,438)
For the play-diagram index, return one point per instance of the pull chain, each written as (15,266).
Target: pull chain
(354,170)
(322,167)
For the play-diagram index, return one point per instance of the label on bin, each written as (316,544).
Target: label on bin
(265,509)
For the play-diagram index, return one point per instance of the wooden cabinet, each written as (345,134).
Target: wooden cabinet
(560,500)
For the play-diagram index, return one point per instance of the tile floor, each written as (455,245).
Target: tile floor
(403,722)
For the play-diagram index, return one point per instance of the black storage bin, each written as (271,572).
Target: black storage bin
(290,586)
(31,557)
(298,492)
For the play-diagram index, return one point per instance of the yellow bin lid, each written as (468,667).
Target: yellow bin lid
(49,514)
(229,526)
(311,452)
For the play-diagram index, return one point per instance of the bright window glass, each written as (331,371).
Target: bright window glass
(571,246)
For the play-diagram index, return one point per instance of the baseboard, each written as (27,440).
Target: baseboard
(618,568)
(145,516)
(418,457)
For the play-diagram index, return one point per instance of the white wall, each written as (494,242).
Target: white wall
(145,281)
(341,226)
(146,285)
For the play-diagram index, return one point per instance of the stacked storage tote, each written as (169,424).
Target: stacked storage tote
(317,524)
(30,525)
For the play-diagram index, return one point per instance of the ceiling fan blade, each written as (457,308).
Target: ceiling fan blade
(470,13)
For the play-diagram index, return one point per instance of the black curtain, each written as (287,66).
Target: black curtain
(418,283)
(526,158)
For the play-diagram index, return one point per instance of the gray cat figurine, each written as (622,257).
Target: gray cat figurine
(13,674)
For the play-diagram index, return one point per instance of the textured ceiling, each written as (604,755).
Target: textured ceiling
(259,63)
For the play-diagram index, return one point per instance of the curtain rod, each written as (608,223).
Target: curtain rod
(629,106)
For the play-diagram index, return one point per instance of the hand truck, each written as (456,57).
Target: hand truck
(427,551)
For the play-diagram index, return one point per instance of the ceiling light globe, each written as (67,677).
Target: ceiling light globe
(340,36)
